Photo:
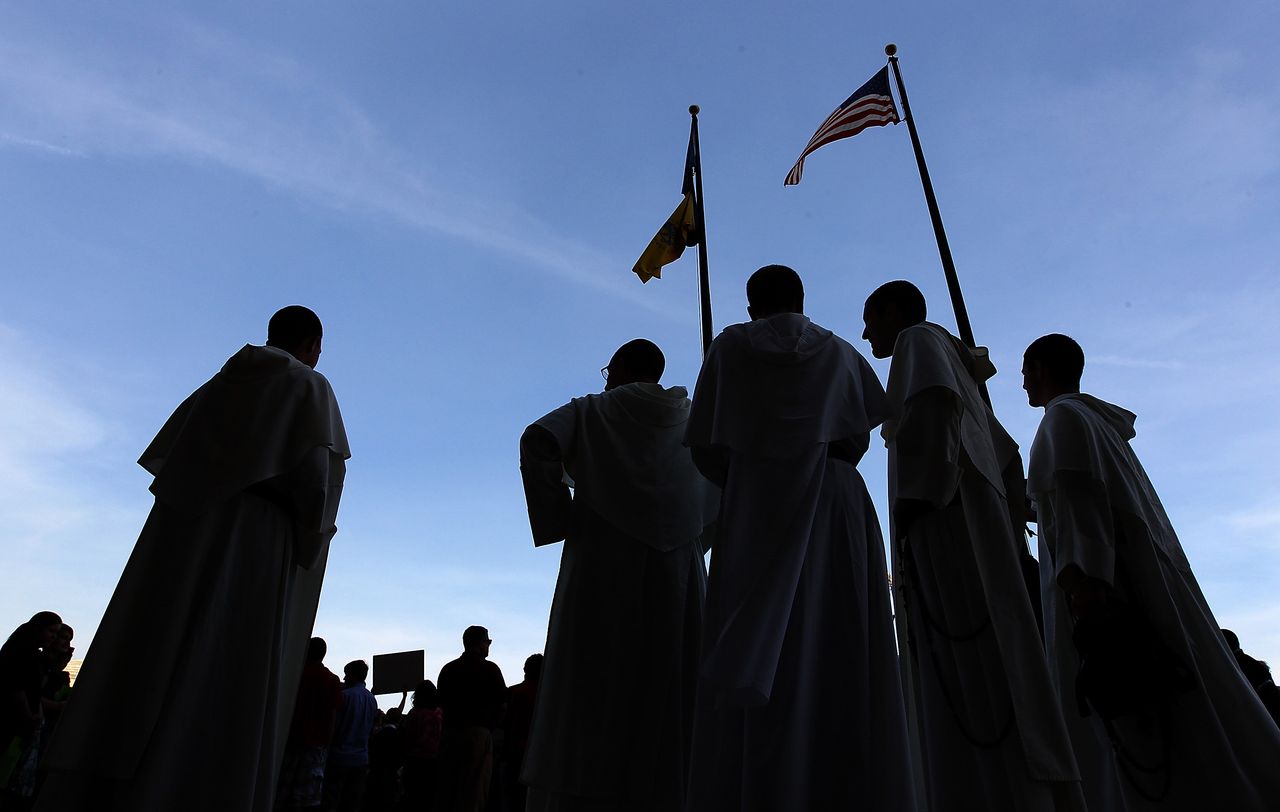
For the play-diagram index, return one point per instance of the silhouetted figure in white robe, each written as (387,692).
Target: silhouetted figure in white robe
(799,701)
(987,727)
(185,698)
(611,723)
(1110,561)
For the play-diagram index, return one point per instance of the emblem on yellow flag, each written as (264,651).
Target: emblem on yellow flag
(679,232)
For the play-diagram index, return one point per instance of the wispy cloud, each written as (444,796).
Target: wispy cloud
(267,118)
(1135,363)
(38,145)
(1143,148)
(67,532)
(1264,517)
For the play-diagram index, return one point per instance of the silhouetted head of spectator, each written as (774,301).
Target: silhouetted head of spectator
(890,309)
(316,650)
(637,361)
(533,667)
(1233,642)
(426,695)
(296,330)
(1051,366)
(355,671)
(772,290)
(393,717)
(40,632)
(475,640)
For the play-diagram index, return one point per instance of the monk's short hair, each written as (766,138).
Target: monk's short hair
(1060,356)
(291,326)
(902,296)
(642,358)
(775,288)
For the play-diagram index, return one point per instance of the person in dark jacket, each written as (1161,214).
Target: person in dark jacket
(472,694)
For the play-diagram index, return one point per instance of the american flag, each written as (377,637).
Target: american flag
(870,106)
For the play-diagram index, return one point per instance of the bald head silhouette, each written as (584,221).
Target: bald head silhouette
(772,290)
(637,361)
(296,330)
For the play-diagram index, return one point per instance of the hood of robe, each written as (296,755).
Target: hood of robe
(776,387)
(1084,435)
(256,419)
(787,338)
(624,451)
(1122,420)
(773,393)
(926,356)
(652,404)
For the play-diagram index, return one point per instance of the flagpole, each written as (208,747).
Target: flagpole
(704,279)
(944,249)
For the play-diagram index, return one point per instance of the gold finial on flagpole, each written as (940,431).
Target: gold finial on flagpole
(694,109)
(891,50)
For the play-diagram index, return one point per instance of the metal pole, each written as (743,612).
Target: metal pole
(944,249)
(704,279)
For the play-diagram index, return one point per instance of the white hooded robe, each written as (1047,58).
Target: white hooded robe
(611,724)
(1098,511)
(186,694)
(799,702)
(987,727)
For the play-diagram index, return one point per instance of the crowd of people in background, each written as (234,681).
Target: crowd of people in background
(458,747)
(343,753)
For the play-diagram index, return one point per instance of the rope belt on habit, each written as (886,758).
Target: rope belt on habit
(932,625)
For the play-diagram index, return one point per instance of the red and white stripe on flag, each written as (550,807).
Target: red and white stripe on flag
(870,106)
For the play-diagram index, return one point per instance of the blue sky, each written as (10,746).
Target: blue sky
(460,190)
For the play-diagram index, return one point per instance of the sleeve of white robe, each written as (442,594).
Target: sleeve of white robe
(711,460)
(928,448)
(1077,516)
(317,489)
(545,491)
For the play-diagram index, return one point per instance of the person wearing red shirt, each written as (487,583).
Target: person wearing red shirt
(319,695)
